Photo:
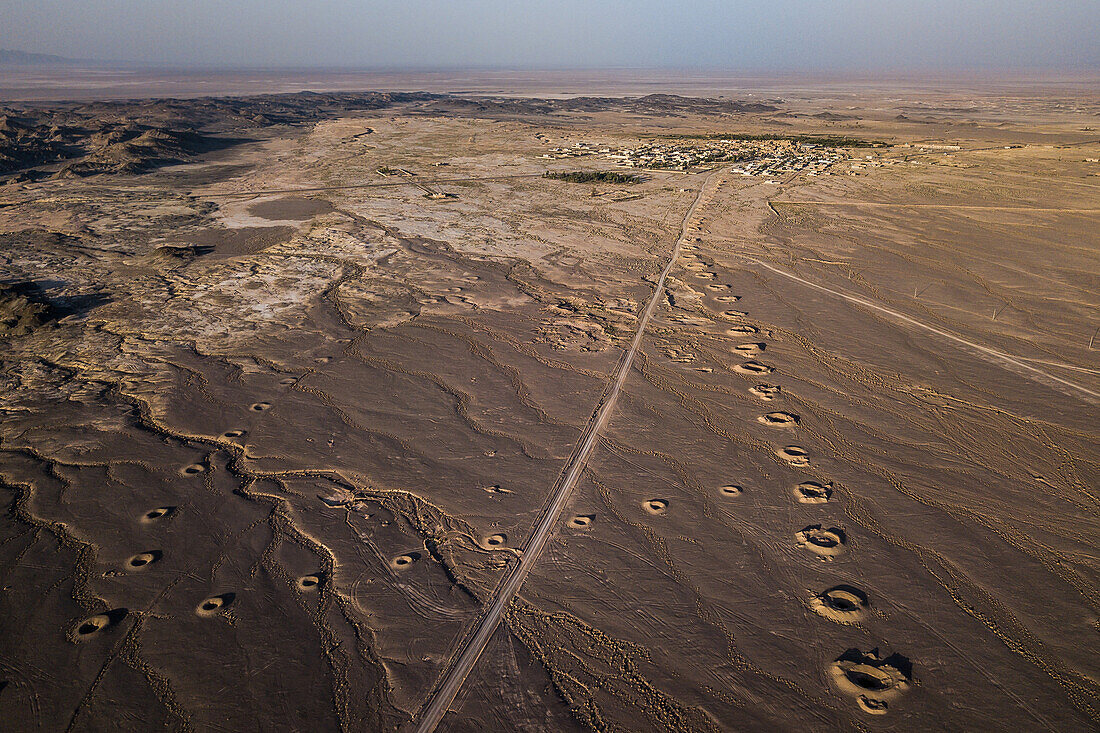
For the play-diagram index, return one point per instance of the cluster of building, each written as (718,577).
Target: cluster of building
(868,161)
(677,156)
(577,150)
(808,159)
(753,157)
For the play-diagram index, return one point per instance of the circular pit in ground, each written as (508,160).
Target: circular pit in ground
(873,681)
(824,542)
(143,559)
(795,455)
(215,604)
(404,561)
(309,582)
(766,392)
(159,513)
(779,419)
(812,492)
(92,625)
(752,367)
(750,350)
(844,604)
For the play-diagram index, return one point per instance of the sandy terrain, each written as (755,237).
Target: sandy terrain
(293,423)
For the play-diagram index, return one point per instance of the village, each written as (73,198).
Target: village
(754,157)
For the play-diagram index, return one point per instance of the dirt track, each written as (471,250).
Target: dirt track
(467,654)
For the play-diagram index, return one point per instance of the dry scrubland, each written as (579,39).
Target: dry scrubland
(275,423)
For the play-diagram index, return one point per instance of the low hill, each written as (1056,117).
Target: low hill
(10,57)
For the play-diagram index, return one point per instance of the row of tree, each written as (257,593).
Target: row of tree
(593,176)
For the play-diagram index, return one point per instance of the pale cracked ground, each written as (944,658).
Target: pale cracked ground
(851,483)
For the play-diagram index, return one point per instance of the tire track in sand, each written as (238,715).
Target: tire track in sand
(984,351)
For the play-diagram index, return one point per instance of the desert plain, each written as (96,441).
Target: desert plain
(769,411)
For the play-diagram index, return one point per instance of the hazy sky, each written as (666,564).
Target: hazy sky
(749,35)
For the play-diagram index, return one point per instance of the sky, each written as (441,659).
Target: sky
(744,35)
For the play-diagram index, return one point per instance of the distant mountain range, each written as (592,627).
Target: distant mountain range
(9,57)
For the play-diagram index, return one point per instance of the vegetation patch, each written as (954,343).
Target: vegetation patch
(594,176)
(826,141)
